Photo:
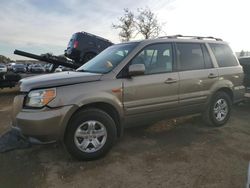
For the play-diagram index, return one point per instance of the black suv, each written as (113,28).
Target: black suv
(84,46)
(245,63)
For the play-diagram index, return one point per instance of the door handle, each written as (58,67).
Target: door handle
(170,81)
(212,75)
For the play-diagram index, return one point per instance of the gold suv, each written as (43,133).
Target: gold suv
(130,84)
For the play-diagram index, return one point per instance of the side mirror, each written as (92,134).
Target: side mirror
(136,69)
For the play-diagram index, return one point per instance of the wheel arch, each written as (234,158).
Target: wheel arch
(225,86)
(228,91)
(104,106)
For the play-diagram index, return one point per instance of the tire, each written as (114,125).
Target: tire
(211,115)
(80,142)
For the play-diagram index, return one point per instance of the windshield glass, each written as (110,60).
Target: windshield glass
(108,59)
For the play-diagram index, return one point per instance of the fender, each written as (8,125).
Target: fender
(87,99)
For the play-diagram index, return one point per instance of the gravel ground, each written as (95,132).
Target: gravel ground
(180,152)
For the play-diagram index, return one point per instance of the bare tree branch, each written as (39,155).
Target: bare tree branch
(126,25)
(147,23)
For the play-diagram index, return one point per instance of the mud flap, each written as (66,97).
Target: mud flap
(13,139)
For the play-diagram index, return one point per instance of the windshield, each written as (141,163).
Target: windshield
(108,59)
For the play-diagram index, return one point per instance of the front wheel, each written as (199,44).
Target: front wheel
(90,134)
(218,111)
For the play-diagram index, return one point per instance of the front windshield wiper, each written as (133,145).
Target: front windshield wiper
(81,70)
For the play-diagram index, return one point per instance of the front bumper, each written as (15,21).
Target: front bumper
(46,124)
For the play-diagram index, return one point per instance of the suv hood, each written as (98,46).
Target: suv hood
(56,79)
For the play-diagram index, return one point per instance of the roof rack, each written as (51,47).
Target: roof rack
(192,37)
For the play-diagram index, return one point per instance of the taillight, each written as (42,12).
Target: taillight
(75,44)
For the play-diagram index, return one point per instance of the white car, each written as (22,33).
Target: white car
(3,68)
(59,69)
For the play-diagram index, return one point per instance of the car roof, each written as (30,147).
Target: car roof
(179,38)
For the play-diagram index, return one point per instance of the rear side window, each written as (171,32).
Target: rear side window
(190,56)
(223,55)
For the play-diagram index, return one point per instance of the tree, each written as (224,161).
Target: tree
(4,59)
(147,23)
(242,53)
(126,25)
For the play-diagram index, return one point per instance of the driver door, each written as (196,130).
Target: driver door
(153,94)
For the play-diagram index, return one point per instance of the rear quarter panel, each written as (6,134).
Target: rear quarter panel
(231,77)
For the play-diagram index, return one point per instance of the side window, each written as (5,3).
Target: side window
(223,55)
(190,56)
(207,58)
(157,58)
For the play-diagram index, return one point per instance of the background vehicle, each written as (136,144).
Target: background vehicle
(84,46)
(48,67)
(245,63)
(9,66)
(3,68)
(19,68)
(81,48)
(36,68)
(130,84)
(62,68)
(9,79)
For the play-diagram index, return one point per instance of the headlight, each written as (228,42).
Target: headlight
(40,98)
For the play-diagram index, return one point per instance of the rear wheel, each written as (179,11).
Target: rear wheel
(90,134)
(218,111)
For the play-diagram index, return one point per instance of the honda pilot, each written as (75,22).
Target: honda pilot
(130,84)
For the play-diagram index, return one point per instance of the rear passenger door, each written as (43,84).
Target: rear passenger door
(196,72)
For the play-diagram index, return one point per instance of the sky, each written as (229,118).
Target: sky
(41,26)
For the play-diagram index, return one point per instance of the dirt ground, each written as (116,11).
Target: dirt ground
(181,153)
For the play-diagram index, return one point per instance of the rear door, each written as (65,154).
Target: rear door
(157,89)
(196,71)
